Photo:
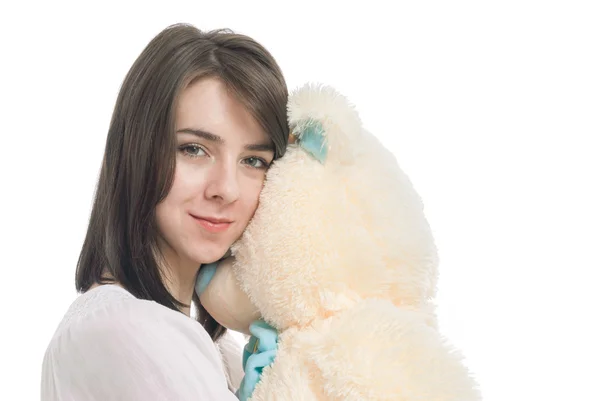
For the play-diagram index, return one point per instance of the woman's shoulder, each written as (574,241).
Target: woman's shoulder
(102,306)
(109,317)
(109,334)
(94,302)
(110,309)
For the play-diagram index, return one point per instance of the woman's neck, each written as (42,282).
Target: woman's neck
(181,284)
(179,281)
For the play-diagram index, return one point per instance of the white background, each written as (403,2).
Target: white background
(492,109)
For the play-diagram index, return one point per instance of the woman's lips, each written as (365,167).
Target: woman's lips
(213,224)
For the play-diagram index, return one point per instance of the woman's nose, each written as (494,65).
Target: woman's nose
(223,183)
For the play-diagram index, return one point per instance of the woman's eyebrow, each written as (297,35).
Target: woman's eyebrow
(202,134)
(255,147)
(260,147)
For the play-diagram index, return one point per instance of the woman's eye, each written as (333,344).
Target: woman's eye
(192,150)
(256,162)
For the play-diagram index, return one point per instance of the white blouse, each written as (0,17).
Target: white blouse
(113,346)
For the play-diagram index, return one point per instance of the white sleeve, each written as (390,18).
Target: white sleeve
(138,351)
(231,346)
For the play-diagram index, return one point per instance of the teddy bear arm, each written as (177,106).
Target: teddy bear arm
(377,351)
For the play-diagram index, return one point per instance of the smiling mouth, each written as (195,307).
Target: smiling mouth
(213,225)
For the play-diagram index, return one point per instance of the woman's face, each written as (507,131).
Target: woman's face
(222,158)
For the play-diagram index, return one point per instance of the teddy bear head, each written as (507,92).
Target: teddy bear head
(337,222)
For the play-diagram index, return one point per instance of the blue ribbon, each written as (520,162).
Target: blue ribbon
(310,136)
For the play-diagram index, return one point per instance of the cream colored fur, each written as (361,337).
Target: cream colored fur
(340,258)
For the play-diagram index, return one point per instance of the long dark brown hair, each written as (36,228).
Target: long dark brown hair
(139,158)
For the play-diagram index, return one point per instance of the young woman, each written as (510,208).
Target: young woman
(198,120)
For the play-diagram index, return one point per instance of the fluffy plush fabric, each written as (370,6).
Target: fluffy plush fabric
(340,258)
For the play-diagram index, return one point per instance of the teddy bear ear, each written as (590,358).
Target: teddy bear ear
(323,123)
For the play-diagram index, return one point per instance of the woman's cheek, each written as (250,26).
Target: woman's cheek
(252,194)
(191,177)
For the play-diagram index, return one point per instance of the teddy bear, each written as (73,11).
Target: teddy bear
(340,259)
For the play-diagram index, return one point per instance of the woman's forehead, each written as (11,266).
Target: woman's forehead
(207,105)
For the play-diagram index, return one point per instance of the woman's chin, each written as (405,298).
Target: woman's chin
(211,256)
